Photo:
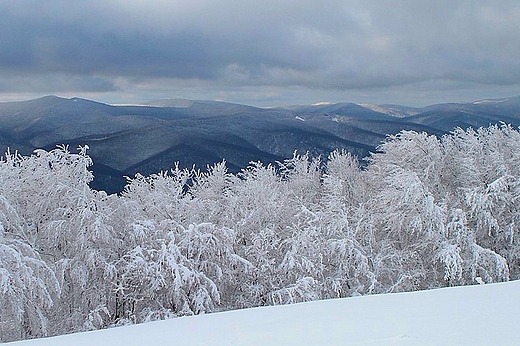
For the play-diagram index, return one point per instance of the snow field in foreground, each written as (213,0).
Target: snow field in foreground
(471,315)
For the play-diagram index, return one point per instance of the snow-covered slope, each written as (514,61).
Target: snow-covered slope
(476,315)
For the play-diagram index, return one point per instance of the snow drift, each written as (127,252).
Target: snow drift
(471,315)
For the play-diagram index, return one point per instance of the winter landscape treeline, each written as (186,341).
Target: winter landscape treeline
(424,212)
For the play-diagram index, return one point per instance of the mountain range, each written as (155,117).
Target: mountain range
(126,139)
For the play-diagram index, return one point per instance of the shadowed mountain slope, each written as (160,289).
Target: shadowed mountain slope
(127,139)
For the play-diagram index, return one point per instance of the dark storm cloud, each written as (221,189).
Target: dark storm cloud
(49,83)
(45,43)
(336,45)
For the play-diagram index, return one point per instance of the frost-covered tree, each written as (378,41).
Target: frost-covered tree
(67,224)
(28,287)
(168,277)
(485,174)
(188,263)
(260,210)
(344,223)
(416,215)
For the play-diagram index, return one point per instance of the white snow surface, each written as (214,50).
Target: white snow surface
(474,315)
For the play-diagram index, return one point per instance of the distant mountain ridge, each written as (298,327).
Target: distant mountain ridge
(126,139)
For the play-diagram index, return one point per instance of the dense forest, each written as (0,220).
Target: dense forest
(422,212)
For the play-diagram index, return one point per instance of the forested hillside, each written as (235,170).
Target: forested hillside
(125,140)
(425,212)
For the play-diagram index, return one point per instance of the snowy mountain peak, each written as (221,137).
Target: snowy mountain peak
(394,112)
(322,103)
(173,102)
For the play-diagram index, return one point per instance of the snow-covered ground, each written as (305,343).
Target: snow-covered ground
(476,315)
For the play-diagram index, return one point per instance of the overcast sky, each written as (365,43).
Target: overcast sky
(267,53)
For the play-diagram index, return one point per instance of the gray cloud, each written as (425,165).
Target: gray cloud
(50,83)
(352,47)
